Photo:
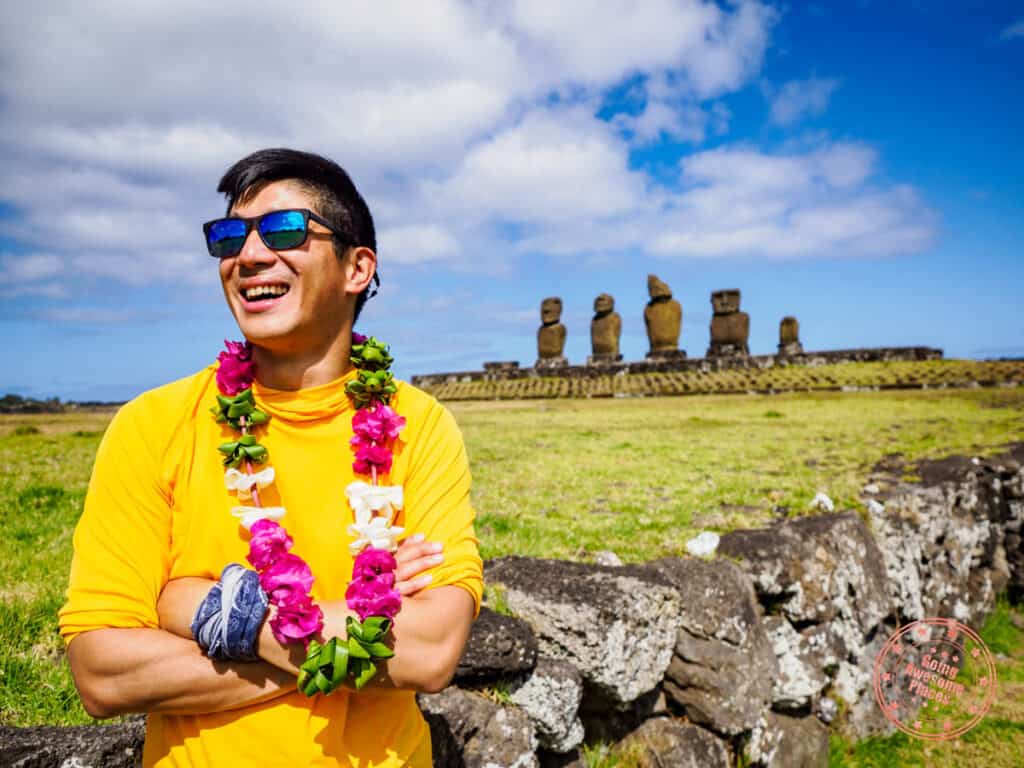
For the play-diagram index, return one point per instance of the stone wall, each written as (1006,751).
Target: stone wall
(751,655)
(506,371)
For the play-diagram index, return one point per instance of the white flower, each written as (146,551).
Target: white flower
(249,515)
(703,544)
(366,499)
(374,532)
(242,484)
(823,502)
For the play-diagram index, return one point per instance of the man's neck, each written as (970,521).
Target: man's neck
(303,369)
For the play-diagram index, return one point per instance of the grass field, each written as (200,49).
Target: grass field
(564,478)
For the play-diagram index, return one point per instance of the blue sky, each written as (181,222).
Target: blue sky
(855,164)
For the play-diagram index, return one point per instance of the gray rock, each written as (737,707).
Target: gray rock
(824,570)
(779,741)
(801,668)
(663,742)
(89,746)
(617,626)
(498,646)
(723,667)
(827,709)
(551,697)
(952,543)
(470,731)
(607,557)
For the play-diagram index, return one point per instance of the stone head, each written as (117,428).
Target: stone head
(550,310)
(604,303)
(658,289)
(724,302)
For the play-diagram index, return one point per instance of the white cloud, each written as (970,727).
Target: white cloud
(743,202)
(416,244)
(555,165)
(1014,30)
(798,99)
(470,127)
(121,115)
(29,267)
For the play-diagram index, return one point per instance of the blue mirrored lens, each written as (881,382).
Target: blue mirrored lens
(226,237)
(283,229)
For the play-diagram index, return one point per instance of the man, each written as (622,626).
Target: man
(156,529)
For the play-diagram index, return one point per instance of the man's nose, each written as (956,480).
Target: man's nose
(254,253)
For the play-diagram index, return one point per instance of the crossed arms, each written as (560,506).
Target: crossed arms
(122,670)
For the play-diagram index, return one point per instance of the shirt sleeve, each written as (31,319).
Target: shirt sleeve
(122,542)
(437,502)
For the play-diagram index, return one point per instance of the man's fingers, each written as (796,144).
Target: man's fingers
(408,570)
(407,588)
(409,552)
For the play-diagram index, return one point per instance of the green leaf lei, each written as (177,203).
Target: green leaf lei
(329,664)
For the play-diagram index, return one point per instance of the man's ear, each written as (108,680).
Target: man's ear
(360,267)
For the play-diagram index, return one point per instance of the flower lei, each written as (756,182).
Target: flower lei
(286,577)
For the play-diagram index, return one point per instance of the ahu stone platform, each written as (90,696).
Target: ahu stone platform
(843,370)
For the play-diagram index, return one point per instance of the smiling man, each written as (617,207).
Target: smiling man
(297,259)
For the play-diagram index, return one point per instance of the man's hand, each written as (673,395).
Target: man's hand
(180,598)
(414,556)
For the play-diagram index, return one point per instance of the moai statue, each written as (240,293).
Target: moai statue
(789,337)
(730,328)
(605,329)
(551,335)
(663,317)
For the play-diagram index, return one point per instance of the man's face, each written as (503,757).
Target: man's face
(289,300)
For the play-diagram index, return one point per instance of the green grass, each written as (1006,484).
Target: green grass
(995,742)
(43,475)
(568,478)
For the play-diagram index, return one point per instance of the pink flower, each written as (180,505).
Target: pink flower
(371,456)
(358,338)
(372,563)
(269,542)
(378,424)
(297,621)
(237,368)
(373,598)
(287,579)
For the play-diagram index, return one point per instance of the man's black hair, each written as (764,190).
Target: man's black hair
(336,197)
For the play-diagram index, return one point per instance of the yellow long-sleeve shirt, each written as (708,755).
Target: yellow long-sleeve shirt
(158,509)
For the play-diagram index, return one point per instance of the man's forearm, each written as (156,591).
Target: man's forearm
(428,637)
(119,671)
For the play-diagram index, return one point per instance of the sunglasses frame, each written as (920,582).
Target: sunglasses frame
(307,215)
(253,221)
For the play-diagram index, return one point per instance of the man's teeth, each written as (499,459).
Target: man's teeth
(265,290)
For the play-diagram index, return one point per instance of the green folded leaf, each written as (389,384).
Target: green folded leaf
(229,447)
(340,670)
(356,650)
(309,686)
(354,628)
(377,622)
(365,675)
(247,440)
(323,683)
(258,417)
(379,651)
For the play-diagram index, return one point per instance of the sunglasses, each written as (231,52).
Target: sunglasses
(279,231)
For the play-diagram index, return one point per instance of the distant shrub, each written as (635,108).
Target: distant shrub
(25,429)
(773,415)
(84,433)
